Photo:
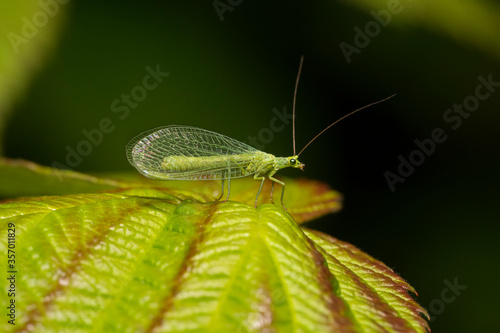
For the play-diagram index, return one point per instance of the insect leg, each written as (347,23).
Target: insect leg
(272,191)
(221,191)
(258,177)
(270,176)
(228,189)
(228,175)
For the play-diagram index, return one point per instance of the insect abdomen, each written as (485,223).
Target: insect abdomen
(215,167)
(185,163)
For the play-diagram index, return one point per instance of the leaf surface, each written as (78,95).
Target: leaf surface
(305,199)
(472,23)
(24,45)
(159,260)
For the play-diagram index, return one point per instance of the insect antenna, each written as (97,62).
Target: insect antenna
(335,122)
(294,100)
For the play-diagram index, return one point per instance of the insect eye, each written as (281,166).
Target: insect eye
(293,161)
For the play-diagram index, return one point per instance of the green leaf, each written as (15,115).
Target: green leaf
(29,32)
(367,284)
(473,23)
(305,199)
(23,178)
(150,258)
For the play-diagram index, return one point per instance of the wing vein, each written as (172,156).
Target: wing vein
(189,153)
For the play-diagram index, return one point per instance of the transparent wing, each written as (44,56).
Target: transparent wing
(189,153)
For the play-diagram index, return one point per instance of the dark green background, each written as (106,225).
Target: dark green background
(227,76)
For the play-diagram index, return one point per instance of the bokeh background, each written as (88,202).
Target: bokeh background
(230,63)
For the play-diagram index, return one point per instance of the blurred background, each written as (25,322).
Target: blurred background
(101,72)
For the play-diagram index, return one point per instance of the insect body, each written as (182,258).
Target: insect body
(190,153)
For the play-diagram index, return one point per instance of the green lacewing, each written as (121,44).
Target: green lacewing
(178,152)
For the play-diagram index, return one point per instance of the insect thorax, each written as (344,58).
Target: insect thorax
(261,163)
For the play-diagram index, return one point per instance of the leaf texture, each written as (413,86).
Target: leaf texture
(305,199)
(146,260)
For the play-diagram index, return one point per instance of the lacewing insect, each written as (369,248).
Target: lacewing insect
(189,153)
